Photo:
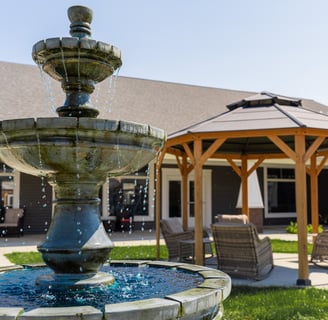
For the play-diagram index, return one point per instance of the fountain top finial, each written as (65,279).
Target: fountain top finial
(80,18)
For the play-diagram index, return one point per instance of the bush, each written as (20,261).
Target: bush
(292,228)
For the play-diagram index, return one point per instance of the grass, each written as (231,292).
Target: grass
(144,252)
(283,246)
(244,303)
(249,303)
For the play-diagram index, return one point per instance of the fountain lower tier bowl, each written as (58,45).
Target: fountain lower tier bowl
(155,290)
(88,148)
(77,155)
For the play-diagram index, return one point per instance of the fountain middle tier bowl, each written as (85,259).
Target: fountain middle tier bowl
(87,147)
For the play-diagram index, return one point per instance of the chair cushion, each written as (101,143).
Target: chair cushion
(231,218)
(174,225)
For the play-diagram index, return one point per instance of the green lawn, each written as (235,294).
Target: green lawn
(145,252)
(244,303)
(249,303)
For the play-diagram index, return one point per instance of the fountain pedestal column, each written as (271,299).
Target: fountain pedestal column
(76,243)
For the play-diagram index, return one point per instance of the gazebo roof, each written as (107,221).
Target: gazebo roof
(251,119)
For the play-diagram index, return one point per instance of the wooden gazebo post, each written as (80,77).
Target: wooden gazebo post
(314,172)
(244,186)
(301,210)
(184,171)
(198,195)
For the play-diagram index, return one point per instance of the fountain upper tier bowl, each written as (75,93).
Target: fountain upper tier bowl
(95,147)
(84,58)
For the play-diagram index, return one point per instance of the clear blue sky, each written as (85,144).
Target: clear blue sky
(274,45)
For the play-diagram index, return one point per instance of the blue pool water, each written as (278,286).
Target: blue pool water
(17,288)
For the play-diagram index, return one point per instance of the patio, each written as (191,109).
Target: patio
(283,274)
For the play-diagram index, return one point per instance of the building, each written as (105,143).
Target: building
(25,93)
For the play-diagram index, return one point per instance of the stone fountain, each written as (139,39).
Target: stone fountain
(76,152)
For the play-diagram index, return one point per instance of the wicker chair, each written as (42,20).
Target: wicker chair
(13,222)
(240,252)
(173,233)
(320,248)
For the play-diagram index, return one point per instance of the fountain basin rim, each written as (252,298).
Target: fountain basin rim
(47,49)
(215,288)
(81,124)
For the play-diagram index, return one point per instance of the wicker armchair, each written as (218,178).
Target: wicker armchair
(240,252)
(13,222)
(320,248)
(173,233)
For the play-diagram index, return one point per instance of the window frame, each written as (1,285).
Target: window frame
(273,215)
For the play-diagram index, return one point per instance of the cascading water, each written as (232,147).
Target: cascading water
(76,152)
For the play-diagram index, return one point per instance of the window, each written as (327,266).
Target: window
(280,193)
(128,196)
(9,187)
(174,198)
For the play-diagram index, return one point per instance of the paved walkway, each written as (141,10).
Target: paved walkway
(284,273)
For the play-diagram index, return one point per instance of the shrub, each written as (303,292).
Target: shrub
(292,228)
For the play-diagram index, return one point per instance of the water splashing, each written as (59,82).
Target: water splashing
(48,88)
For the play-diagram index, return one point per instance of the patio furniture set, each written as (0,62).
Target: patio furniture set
(239,250)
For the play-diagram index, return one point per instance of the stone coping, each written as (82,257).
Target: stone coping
(202,302)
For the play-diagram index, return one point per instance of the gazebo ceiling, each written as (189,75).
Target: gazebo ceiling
(249,122)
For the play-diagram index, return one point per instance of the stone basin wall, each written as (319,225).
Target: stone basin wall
(201,303)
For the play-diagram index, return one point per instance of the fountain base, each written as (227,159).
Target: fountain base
(75,281)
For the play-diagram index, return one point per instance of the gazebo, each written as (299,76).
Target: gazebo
(262,127)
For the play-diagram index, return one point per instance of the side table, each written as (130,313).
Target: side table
(189,246)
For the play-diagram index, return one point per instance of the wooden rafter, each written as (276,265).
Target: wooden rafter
(211,150)
(189,153)
(313,148)
(233,165)
(283,147)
